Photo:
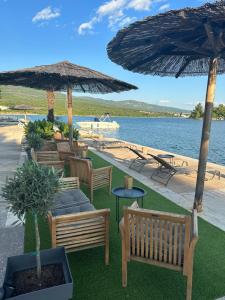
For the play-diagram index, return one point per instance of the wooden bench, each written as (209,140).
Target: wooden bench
(73,228)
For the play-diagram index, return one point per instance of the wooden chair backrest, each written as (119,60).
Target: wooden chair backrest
(68,183)
(158,237)
(47,156)
(80,168)
(80,231)
(63,147)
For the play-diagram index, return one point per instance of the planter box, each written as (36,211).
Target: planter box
(49,145)
(27,261)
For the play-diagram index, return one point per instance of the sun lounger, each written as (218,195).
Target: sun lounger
(140,161)
(166,171)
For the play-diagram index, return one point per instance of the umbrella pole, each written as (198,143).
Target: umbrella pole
(51,102)
(70,115)
(207,120)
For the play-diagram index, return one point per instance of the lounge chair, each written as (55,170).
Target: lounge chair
(160,239)
(75,223)
(166,171)
(48,158)
(93,178)
(140,161)
(65,151)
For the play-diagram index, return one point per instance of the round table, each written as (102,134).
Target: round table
(121,192)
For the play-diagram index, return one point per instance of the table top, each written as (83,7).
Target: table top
(135,192)
(165,156)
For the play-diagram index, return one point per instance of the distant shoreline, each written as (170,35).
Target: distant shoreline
(92,116)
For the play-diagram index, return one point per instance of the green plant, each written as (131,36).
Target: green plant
(34,141)
(31,191)
(64,129)
(41,127)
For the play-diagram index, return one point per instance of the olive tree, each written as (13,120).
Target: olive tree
(31,190)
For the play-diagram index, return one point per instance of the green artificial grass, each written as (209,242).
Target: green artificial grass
(94,280)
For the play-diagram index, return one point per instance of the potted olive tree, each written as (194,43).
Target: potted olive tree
(46,274)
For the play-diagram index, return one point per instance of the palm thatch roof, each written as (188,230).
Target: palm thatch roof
(22,107)
(176,43)
(63,74)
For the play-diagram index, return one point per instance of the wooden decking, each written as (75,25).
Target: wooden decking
(181,188)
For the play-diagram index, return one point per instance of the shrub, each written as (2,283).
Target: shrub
(34,141)
(64,129)
(43,128)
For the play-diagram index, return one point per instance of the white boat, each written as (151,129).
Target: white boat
(104,122)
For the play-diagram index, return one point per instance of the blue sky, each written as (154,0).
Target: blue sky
(45,31)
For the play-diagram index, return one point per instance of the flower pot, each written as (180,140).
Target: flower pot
(27,261)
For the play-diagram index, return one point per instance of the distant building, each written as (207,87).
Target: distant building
(2,107)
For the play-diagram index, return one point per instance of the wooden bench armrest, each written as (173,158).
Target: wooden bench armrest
(102,170)
(66,152)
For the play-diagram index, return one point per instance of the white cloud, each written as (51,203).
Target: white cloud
(164,7)
(88,26)
(110,7)
(115,11)
(46,14)
(140,4)
(164,101)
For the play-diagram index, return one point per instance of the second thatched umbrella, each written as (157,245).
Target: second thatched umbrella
(65,76)
(186,42)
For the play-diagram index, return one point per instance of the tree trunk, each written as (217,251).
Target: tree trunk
(38,257)
(70,114)
(51,102)
(207,120)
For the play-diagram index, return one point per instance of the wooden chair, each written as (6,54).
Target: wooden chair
(158,238)
(82,230)
(93,178)
(48,158)
(65,150)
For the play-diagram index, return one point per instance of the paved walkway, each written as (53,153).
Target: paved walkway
(11,236)
(181,188)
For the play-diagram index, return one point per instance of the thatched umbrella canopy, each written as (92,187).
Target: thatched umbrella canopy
(186,42)
(64,76)
(22,107)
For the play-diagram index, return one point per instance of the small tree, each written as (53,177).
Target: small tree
(31,190)
(197,112)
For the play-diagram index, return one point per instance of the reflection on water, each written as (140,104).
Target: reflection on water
(176,135)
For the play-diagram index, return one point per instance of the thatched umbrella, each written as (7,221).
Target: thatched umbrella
(186,42)
(65,76)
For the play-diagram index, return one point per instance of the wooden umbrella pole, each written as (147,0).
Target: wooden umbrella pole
(70,114)
(203,155)
(51,102)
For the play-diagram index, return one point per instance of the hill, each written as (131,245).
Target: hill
(12,95)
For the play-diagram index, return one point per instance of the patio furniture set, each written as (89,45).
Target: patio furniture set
(157,238)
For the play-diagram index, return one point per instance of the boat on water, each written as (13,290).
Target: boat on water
(104,122)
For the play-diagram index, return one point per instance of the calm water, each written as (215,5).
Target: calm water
(180,136)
